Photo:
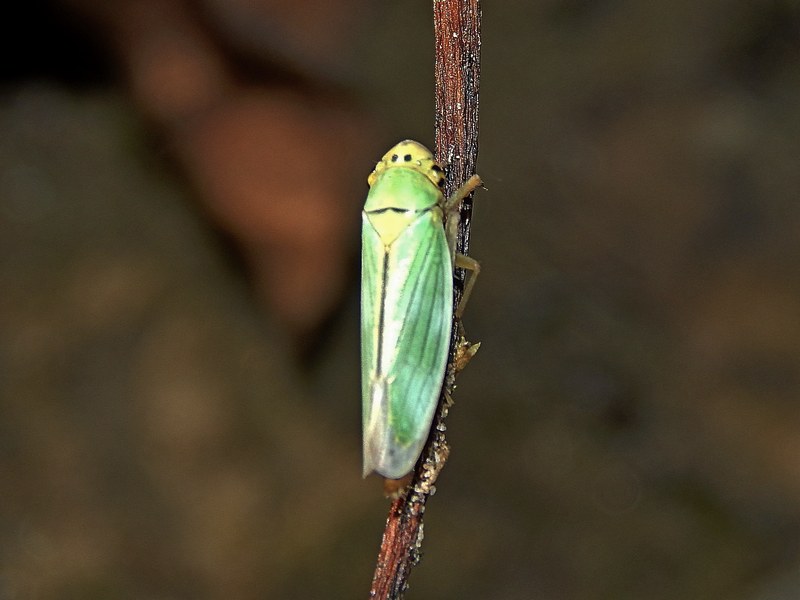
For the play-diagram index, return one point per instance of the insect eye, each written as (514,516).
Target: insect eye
(394,157)
(407,158)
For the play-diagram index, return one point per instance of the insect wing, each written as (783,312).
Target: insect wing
(373,262)
(407,300)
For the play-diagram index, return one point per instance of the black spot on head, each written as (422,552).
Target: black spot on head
(407,158)
(394,157)
(441,182)
(436,168)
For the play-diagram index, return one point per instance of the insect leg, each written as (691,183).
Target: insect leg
(470,264)
(451,210)
(454,202)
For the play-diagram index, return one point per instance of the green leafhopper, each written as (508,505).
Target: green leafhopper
(407,260)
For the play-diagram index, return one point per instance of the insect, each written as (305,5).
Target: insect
(408,254)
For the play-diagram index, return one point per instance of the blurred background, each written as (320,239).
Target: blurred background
(180,187)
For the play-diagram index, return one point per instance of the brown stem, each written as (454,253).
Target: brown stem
(457,78)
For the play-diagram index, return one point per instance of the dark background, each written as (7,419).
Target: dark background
(630,428)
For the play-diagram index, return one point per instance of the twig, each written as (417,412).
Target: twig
(457,75)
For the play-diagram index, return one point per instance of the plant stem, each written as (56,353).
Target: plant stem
(457,79)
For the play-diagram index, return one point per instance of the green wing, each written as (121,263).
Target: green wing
(372,274)
(374,413)
(407,297)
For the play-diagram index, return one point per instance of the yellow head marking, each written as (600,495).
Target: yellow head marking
(409,154)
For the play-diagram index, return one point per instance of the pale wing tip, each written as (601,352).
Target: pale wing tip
(372,458)
(392,463)
(381,452)
(368,468)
